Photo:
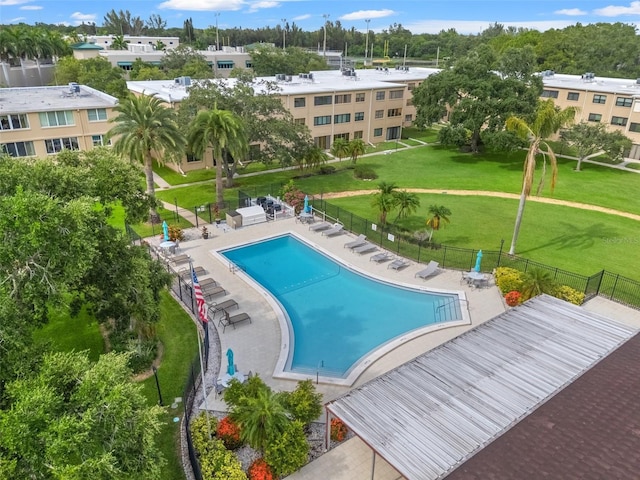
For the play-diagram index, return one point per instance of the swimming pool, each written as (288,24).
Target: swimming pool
(337,317)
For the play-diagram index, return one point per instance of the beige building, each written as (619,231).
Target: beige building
(41,121)
(374,105)
(612,101)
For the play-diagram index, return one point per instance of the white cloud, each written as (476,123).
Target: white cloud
(572,12)
(31,7)
(78,17)
(365,14)
(619,10)
(262,5)
(203,5)
(477,26)
(301,17)
(17,19)
(12,2)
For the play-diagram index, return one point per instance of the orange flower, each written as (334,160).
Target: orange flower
(338,430)
(259,470)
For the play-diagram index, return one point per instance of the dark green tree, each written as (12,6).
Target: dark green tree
(94,72)
(591,138)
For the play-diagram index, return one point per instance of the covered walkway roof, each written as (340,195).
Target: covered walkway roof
(433,413)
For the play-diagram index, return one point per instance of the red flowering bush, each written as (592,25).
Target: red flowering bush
(513,298)
(259,470)
(229,432)
(338,430)
(293,196)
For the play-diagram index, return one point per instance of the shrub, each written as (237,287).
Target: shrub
(537,281)
(175,233)
(237,391)
(509,279)
(200,432)
(513,298)
(260,470)
(288,451)
(364,172)
(221,464)
(569,294)
(293,196)
(304,403)
(327,170)
(229,433)
(338,430)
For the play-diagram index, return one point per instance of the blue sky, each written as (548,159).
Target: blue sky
(419,16)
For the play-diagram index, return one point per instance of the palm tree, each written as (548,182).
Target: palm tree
(536,282)
(356,148)
(260,417)
(224,133)
(438,216)
(384,199)
(407,202)
(145,127)
(340,148)
(547,121)
(119,43)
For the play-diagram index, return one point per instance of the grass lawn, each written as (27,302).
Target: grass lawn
(411,142)
(381,147)
(176,178)
(430,135)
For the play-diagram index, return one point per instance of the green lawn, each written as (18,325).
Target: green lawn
(384,146)
(430,135)
(176,178)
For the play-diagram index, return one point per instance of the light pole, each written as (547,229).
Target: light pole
(366,42)
(284,33)
(324,45)
(217,31)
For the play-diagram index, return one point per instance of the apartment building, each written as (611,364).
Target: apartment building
(41,121)
(374,105)
(612,101)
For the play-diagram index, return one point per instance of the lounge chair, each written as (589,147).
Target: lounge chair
(227,320)
(221,307)
(206,282)
(399,263)
(212,291)
(337,229)
(358,242)
(432,268)
(317,227)
(381,257)
(185,273)
(179,259)
(366,248)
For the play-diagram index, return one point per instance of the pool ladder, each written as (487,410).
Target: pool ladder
(234,267)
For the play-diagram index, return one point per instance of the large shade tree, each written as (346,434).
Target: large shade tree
(145,130)
(547,121)
(224,133)
(591,138)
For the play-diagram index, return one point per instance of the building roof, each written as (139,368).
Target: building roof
(85,46)
(432,414)
(46,99)
(324,81)
(596,84)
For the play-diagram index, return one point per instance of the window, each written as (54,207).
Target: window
(18,149)
(396,94)
(634,127)
(56,119)
(379,114)
(377,132)
(620,121)
(393,133)
(192,158)
(224,64)
(299,102)
(595,117)
(408,118)
(411,86)
(624,102)
(359,97)
(97,114)
(358,134)
(56,145)
(359,116)
(342,118)
(13,122)
(573,96)
(322,120)
(550,93)
(599,99)
(248,63)
(346,98)
(99,140)
(343,136)
(324,100)
(380,95)
(394,112)
(300,121)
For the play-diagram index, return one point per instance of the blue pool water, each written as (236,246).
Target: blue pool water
(337,316)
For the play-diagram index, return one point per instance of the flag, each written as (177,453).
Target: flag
(201,304)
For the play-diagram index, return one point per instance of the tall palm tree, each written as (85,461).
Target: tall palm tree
(438,216)
(407,203)
(356,148)
(224,133)
(119,43)
(384,199)
(547,121)
(144,127)
(340,148)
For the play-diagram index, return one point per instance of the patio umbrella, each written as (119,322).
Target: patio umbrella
(478,261)
(306,204)
(231,370)
(165,230)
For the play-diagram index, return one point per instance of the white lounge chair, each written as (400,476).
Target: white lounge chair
(358,242)
(316,227)
(366,248)
(336,230)
(399,263)
(381,257)
(432,268)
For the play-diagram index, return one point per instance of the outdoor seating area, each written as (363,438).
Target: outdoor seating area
(358,242)
(381,257)
(318,227)
(475,279)
(399,264)
(365,248)
(337,229)
(228,320)
(432,269)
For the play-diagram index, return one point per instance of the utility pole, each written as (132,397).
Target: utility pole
(284,33)
(324,45)
(366,43)
(217,38)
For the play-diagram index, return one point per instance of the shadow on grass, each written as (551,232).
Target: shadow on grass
(578,238)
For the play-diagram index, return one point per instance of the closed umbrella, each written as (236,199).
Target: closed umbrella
(231,369)
(165,231)
(306,204)
(478,261)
